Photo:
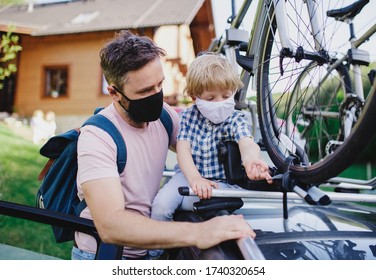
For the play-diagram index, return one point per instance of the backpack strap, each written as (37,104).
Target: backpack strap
(105,124)
(102,122)
(167,123)
(45,169)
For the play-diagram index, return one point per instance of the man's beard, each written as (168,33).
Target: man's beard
(129,116)
(136,122)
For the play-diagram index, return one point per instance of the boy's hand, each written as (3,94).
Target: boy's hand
(257,169)
(203,187)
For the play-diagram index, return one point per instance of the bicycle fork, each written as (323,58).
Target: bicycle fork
(287,50)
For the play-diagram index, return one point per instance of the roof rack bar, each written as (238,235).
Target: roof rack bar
(337,180)
(352,197)
(348,186)
(349,197)
(249,249)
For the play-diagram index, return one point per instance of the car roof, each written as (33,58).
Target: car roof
(336,231)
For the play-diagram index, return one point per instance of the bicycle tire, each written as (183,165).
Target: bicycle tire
(281,146)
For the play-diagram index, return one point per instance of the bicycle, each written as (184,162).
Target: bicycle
(290,61)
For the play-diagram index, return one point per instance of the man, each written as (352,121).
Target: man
(119,204)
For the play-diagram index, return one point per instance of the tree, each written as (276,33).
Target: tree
(8,50)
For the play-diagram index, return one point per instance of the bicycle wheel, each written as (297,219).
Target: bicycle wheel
(314,109)
(290,86)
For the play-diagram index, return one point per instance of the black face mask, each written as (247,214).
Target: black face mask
(146,109)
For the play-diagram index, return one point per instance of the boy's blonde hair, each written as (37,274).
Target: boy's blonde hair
(211,72)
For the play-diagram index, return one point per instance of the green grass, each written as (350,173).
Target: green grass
(20,164)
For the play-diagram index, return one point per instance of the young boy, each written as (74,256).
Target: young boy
(211,83)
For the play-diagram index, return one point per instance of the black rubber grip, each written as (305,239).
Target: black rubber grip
(183,191)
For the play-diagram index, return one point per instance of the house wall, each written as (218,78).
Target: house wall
(80,52)
(177,41)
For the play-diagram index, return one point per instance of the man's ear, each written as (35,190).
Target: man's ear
(113,93)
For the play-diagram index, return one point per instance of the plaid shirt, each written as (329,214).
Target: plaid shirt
(204,137)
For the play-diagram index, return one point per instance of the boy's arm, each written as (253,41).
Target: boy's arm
(255,167)
(201,186)
(185,160)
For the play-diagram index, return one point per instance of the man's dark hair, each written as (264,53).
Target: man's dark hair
(127,52)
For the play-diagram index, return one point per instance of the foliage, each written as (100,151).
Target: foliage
(8,50)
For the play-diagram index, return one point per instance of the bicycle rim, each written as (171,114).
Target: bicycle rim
(288,88)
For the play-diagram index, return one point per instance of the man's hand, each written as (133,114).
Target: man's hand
(222,228)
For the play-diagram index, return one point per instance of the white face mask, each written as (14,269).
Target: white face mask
(216,111)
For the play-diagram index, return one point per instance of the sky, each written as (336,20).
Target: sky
(221,12)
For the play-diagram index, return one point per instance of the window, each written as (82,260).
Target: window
(56,81)
(104,85)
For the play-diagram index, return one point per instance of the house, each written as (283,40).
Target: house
(59,67)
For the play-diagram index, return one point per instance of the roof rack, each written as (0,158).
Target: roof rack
(241,193)
(348,183)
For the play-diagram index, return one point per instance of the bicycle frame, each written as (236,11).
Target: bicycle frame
(283,31)
(358,83)
(253,43)
(280,12)
(355,43)
(262,12)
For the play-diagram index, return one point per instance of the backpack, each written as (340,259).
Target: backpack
(58,190)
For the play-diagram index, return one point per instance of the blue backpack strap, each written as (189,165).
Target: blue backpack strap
(102,122)
(167,123)
(97,110)
(105,124)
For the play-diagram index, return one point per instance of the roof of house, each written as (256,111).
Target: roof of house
(97,15)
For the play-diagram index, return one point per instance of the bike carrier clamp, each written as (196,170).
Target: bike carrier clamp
(310,193)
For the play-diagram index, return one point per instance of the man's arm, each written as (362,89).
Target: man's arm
(116,225)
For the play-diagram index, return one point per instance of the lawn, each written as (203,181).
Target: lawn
(20,164)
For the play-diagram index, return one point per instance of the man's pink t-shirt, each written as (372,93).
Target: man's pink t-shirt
(140,180)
